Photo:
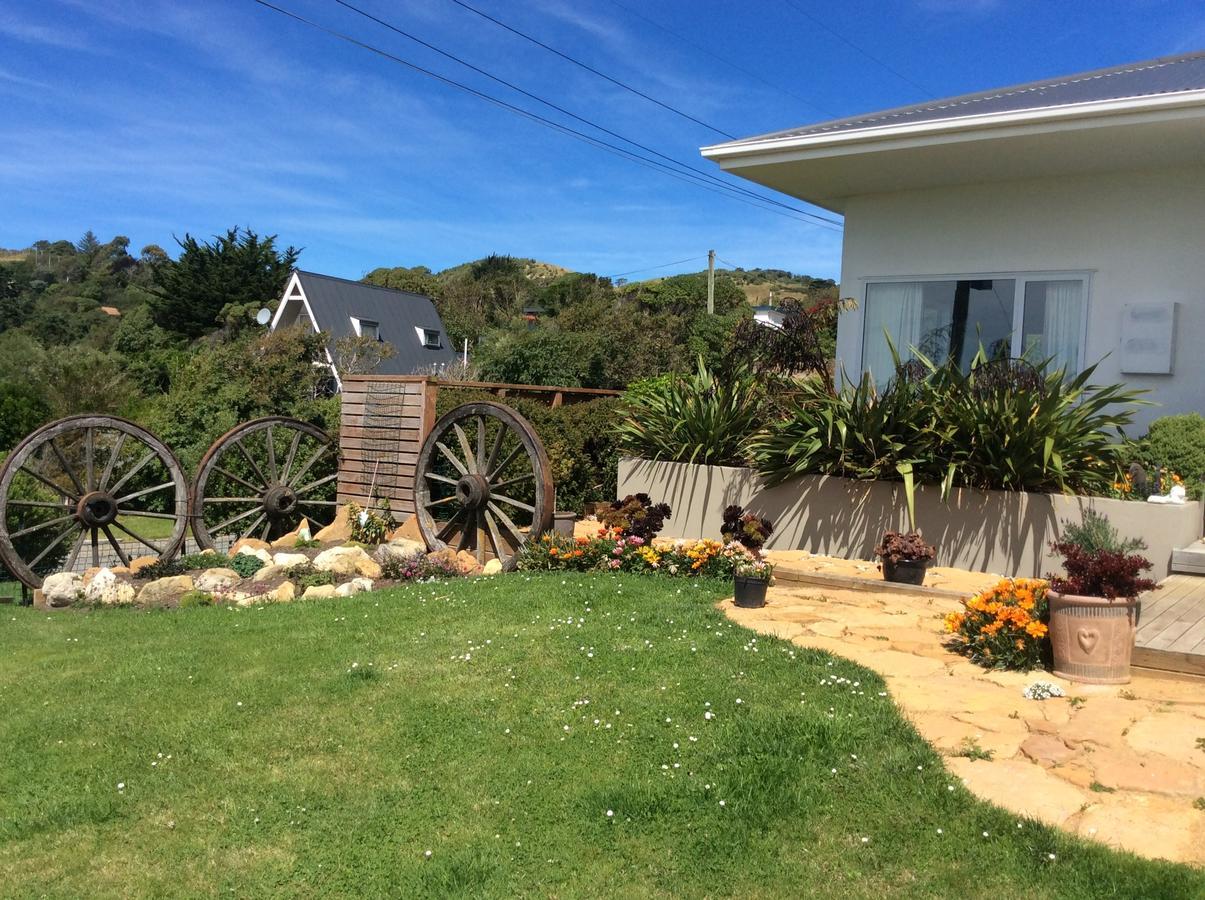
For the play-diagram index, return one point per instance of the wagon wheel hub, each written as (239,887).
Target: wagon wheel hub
(473,491)
(280,500)
(97,509)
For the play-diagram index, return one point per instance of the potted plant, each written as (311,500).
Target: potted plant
(750,577)
(1094,612)
(905,558)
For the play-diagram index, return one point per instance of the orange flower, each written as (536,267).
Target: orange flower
(954,621)
(553,551)
(1036,630)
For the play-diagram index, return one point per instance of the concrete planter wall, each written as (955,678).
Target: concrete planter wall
(988,531)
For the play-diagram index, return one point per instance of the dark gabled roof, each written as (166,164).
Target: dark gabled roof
(334,301)
(1166,75)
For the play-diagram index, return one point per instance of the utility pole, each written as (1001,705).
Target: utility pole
(711,282)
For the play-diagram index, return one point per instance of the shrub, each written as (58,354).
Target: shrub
(747,529)
(245,564)
(636,515)
(697,418)
(1178,444)
(577,436)
(196,598)
(188,562)
(367,527)
(1096,532)
(305,575)
(419,566)
(1101,573)
(1003,627)
(911,547)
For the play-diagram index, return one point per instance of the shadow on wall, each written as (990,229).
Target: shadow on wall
(992,531)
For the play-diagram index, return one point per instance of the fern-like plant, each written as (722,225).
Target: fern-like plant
(697,418)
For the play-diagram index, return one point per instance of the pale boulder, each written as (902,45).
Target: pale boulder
(163,591)
(62,589)
(289,559)
(248,544)
(216,580)
(399,551)
(319,592)
(348,562)
(492,567)
(267,573)
(138,563)
(338,530)
(408,531)
(353,587)
(104,587)
(283,594)
(301,532)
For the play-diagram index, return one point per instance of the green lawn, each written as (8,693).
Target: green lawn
(321,749)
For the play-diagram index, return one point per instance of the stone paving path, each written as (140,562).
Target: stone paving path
(1118,764)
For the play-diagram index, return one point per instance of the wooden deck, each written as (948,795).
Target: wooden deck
(1171,627)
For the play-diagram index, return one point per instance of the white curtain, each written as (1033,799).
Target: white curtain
(1061,328)
(891,309)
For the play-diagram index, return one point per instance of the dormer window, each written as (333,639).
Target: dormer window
(366,328)
(430,338)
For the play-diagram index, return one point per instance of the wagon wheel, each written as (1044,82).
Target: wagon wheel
(483,483)
(86,482)
(261,478)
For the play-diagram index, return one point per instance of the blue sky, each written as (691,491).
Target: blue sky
(154,117)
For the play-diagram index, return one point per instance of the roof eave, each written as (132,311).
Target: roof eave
(735,154)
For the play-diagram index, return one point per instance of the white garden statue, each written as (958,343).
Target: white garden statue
(1176,495)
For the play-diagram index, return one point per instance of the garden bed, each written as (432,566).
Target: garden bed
(985,531)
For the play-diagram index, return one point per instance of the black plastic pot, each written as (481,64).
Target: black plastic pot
(906,571)
(749,593)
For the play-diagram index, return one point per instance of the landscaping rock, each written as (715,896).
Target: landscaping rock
(283,594)
(164,591)
(267,573)
(492,567)
(1046,750)
(338,530)
(248,543)
(399,551)
(353,587)
(104,587)
(62,589)
(408,531)
(138,563)
(259,553)
(289,559)
(318,592)
(287,541)
(217,579)
(468,563)
(348,562)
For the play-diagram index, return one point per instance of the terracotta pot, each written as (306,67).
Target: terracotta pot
(906,571)
(1092,638)
(749,593)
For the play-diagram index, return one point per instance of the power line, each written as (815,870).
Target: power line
(676,262)
(874,59)
(686,168)
(704,49)
(589,68)
(534,117)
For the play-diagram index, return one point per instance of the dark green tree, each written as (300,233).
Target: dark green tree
(21,411)
(220,282)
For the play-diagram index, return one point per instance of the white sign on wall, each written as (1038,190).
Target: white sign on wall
(1148,334)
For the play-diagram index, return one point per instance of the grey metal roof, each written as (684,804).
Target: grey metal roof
(1166,75)
(334,301)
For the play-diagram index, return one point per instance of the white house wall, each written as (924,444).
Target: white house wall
(1140,236)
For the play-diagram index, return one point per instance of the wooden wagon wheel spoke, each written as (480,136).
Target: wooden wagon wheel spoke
(139,466)
(459,466)
(90,450)
(139,538)
(142,493)
(461,506)
(50,484)
(113,455)
(298,485)
(116,545)
(510,501)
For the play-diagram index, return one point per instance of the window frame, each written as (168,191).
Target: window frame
(1019,279)
(359,325)
(427,344)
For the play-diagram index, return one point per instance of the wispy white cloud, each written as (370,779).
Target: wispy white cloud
(22,28)
(11,78)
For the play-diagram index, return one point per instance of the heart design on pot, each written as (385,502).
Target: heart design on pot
(1087,638)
